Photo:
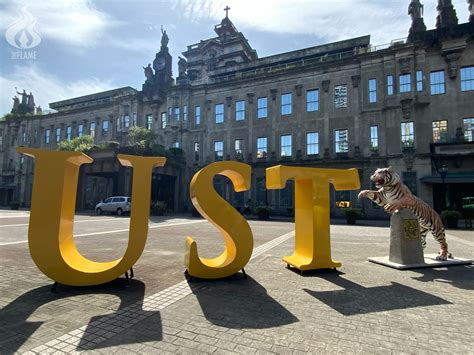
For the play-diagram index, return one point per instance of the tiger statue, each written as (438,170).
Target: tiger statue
(393,195)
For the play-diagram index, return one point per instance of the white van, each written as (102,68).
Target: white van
(115,204)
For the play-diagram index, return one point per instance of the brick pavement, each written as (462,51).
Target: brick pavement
(362,308)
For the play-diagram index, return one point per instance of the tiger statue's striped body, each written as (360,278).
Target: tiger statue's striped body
(393,195)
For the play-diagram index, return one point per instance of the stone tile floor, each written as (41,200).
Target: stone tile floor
(361,308)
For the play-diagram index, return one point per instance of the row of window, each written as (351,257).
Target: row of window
(58,134)
(341,140)
(437,83)
(439,132)
(437,87)
(312,104)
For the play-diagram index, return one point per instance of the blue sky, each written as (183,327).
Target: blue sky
(93,45)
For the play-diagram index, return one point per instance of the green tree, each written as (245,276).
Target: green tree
(79,144)
(141,137)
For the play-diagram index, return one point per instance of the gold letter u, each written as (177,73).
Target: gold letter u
(50,234)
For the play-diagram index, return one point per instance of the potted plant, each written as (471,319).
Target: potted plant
(450,218)
(158,208)
(352,214)
(263,212)
(14,205)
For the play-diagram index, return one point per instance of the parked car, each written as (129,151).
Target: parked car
(115,204)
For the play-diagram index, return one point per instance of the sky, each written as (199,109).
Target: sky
(80,47)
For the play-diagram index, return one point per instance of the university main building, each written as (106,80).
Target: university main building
(409,104)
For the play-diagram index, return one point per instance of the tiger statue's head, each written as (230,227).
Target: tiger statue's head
(385,177)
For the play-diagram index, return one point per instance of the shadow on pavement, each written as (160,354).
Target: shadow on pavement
(459,276)
(237,303)
(14,322)
(356,299)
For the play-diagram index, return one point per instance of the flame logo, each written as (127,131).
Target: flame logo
(22,34)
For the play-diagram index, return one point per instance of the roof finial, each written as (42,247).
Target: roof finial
(227,8)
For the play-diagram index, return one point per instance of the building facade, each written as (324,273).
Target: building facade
(348,104)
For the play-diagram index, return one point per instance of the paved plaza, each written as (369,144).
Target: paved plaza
(360,308)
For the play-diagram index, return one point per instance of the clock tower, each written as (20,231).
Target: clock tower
(162,65)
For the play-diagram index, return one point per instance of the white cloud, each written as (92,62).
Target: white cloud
(45,87)
(331,20)
(72,22)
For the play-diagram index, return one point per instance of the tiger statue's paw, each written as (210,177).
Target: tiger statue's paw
(444,255)
(363,194)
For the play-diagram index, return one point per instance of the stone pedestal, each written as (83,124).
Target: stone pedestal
(405,240)
(406,251)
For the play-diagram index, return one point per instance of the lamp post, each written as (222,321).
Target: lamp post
(443,173)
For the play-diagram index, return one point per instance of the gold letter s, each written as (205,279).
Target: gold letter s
(50,234)
(235,229)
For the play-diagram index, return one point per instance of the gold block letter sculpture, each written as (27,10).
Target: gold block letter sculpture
(235,229)
(50,234)
(312,237)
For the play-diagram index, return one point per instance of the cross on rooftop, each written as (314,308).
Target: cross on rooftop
(227,8)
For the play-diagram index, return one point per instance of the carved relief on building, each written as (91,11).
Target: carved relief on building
(404,64)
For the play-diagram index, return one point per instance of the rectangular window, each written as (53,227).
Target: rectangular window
(285,146)
(440,131)
(410,180)
(196,151)
(240,110)
(467,79)
(437,83)
(68,133)
(1,138)
(340,96)
(47,136)
(134,119)
(105,128)
(92,129)
(261,147)
(407,131)
(176,113)
(419,80)
(219,150)
(170,113)
(163,120)
(374,138)
(390,85)
(175,145)
(312,143)
(197,115)
(286,104)
(239,148)
(469,129)
(372,91)
(58,135)
(185,113)
(405,83)
(312,100)
(126,121)
(219,113)
(80,130)
(117,124)
(149,121)
(341,140)
(261,193)
(23,137)
(262,107)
